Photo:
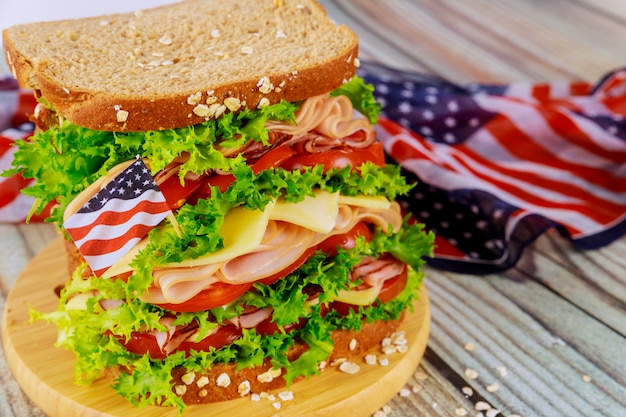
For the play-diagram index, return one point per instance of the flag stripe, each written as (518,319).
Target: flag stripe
(433,174)
(104,244)
(100,263)
(547,177)
(82,224)
(118,216)
(514,123)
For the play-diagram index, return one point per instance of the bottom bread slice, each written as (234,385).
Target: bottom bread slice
(224,382)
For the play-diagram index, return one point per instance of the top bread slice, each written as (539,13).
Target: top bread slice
(181,64)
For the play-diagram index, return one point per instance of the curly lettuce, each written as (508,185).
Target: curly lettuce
(92,333)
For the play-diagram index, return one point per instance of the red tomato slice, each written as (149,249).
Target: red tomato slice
(223,336)
(175,193)
(142,343)
(393,287)
(216,295)
(338,158)
(346,240)
(267,326)
(273,158)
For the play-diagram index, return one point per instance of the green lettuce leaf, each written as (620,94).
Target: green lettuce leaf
(362,97)
(92,333)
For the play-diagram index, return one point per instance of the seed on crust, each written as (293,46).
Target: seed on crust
(180,390)
(269,375)
(203,381)
(194,98)
(232,103)
(352,345)
(202,110)
(244,388)
(263,102)
(223,380)
(265,85)
(121,115)
(188,378)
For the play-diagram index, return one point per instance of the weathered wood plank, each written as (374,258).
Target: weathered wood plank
(489,41)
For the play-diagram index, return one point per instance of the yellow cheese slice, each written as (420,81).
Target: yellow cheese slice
(243,230)
(317,213)
(359,297)
(377,203)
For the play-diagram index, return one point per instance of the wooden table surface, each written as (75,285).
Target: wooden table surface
(546,338)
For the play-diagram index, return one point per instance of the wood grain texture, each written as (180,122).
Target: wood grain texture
(46,374)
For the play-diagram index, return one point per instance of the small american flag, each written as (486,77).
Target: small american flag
(496,166)
(117,217)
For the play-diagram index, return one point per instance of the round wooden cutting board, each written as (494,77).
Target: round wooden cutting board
(46,373)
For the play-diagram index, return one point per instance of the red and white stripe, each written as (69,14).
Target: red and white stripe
(105,236)
(544,158)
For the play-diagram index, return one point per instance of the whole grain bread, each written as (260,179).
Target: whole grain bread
(225,382)
(181,64)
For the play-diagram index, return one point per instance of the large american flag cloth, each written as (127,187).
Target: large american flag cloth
(111,222)
(495,166)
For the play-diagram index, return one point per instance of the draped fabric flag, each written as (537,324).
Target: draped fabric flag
(107,226)
(15,104)
(498,165)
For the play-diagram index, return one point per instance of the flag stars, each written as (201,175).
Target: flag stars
(426,130)
(430,99)
(382,88)
(450,122)
(405,107)
(406,93)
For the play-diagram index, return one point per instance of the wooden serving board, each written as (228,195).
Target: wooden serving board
(46,373)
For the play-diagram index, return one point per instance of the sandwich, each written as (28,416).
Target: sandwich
(229,217)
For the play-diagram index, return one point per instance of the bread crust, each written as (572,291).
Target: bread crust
(108,109)
(348,346)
